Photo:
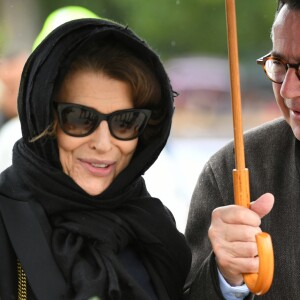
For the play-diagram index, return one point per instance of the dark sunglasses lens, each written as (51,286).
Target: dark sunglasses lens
(77,121)
(128,125)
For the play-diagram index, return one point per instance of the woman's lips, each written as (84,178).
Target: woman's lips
(98,168)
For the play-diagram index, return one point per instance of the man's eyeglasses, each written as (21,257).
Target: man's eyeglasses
(79,121)
(276,68)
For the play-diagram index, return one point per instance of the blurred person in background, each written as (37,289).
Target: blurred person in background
(11,68)
(221,234)
(10,131)
(77,221)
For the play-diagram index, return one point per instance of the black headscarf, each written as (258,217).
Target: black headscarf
(89,231)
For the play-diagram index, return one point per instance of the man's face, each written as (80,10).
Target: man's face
(286,45)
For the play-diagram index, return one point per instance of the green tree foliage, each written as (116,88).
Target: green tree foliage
(186,27)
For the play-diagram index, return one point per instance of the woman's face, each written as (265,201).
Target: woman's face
(94,161)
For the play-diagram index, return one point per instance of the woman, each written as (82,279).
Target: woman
(95,106)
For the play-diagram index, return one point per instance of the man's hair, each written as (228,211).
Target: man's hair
(293,4)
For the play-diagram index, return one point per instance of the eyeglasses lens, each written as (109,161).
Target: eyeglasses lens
(275,70)
(126,125)
(77,121)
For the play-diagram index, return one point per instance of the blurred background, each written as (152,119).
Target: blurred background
(190,37)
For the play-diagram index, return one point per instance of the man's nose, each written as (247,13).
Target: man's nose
(290,87)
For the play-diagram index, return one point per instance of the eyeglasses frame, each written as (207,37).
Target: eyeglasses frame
(262,61)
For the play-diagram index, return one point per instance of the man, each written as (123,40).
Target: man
(222,235)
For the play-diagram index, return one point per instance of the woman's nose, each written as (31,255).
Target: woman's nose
(101,138)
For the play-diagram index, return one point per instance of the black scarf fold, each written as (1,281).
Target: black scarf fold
(88,232)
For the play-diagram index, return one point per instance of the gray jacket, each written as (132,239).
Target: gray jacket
(272,157)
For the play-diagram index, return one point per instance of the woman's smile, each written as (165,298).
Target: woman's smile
(98,168)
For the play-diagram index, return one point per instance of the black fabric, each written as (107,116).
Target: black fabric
(136,268)
(88,232)
(32,249)
(8,287)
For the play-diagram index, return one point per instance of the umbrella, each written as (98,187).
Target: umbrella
(258,283)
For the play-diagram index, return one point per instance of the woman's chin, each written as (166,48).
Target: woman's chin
(93,188)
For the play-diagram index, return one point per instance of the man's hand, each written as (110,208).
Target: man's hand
(232,234)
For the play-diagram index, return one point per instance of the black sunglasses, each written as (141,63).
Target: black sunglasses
(79,121)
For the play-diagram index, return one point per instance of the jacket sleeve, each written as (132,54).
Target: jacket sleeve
(203,279)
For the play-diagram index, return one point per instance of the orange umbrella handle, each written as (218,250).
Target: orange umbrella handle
(261,282)
(258,283)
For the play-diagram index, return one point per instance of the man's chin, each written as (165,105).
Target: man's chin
(296,131)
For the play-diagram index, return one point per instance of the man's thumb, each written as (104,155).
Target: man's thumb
(263,205)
